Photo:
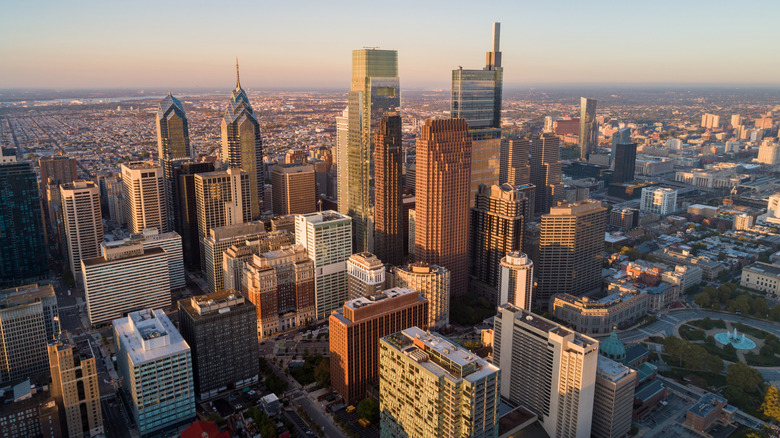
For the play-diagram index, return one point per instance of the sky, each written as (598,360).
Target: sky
(307,44)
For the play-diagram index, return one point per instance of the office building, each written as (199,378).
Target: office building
(366,275)
(242,146)
(546,368)
(769,153)
(342,160)
(173,143)
(220,330)
(112,197)
(516,280)
(29,318)
(127,277)
(28,411)
(281,285)
(624,218)
(388,222)
(82,222)
(355,330)
(429,386)
(155,365)
(187,210)
(571,241)
(75,386)
(144,191)
(709,121)
(476,98)
(234,258)
(613,399)
(171,243)
(659,200)
(221,198)
(217,242)
(589,128)
(55,170)
(327,237)
(625,162)
(497,224)
(375,92)
(441,210)
(545,164)
(294,189)
(433,283)
(514,162)
(23,255)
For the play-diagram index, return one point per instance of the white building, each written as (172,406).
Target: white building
(773,209)
(516,280)
(762,276)
(769,153)
(658,200)
(82,222)
(171,243)
(144,190)
(155,364)
(743,222)
(126,278)
(547,368)
(433,283)
(327,237)
(674,144)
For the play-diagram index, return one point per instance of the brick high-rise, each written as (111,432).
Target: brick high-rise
(355,330)
(388,223)
(294,189)
(442,207)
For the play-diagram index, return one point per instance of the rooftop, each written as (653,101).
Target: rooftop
(395,292)
(324,217)
(764,268)
(216,302)
(611,370)
(23,295)
(102,260)
(149,335)
(648,391)
(706,404)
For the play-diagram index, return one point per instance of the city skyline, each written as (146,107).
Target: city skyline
(656,44)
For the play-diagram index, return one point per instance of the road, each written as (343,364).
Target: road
(114,420)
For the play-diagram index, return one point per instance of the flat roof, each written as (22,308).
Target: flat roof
(148,252)
(611,370)
(361,302)
(149,335)
(764,268)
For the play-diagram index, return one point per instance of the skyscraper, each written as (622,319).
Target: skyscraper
(613,400)
(242,145)
(388,231)
(429,387)
(342,161)
(82,221)
(55,170)
(476,98)
(516,282)
(375,92)
(433,283)
(75,386)
(187,210)
(221,198)
(546,172)
(570,246)
(294,189)
(625,162)
(144,190)
(366,275)
(589,128)
(622,136)
(514,162)
(327,237)
(355,330)
(220,330)
(547,368)
(23,254)
(659,200)
(218,241)
(497,223)
(441,211)
(173,143)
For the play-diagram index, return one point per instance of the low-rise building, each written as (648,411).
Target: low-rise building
(762,276)
(599,316)
(707,411)
(27,411)
(683,255)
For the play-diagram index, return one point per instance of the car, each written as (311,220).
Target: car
(239,407)
(252,392)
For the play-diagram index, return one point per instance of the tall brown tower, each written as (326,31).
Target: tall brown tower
(443,178)
(294,189)
(388,226)
(545,166)
(570,246)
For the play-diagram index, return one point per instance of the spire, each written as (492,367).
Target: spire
(169,92)
(238,81)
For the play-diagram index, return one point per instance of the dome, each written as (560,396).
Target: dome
(613,348)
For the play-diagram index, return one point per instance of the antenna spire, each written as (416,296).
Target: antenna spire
(238,81)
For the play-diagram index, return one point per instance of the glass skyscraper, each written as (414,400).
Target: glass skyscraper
(23,253)
(242,145)
(173,142)
(375,92)
(589,129)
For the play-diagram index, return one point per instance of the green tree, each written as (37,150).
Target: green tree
(771,405)
(702,300)
(760,307)
(743,377)
(368,408)
(322,373)
(742,303)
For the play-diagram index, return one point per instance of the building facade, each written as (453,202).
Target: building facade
(144,191)
(187,210)
(613,399)
(625,162)
(366,275)
(600,316)
(516,280)
(589,128)
(294,189)
(762,276)
(658,200)
(433,283)
(545,166)
(388,220)
(220,330)
(218,241)
(355,330)
(82,222)
(173,143)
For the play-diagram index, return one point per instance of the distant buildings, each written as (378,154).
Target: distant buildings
(221,331)
(548,369)
(144,191)
(355,330)
(769,153)
(23,254)
(75,387)
(589,128)
(441,211)
(514,162)
(625,162)
(127,277)
(29,318)
(82,222)
(242,146)
(433,283)
(429,386)
(327,238)
(709,121)
(55,170)
(155,365)
(294,189)
(516,282)
(659,200)
(366,275)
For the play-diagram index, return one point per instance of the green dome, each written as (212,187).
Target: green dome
(613,348)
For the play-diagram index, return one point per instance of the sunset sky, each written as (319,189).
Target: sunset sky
(307,44)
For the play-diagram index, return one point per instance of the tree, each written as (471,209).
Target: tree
(368,408)
(771,405)
(702,300)
(760,307)
(742,303)
(743,377)
(322,373)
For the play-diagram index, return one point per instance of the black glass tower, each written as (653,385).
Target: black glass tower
(173,143)
(625,163)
